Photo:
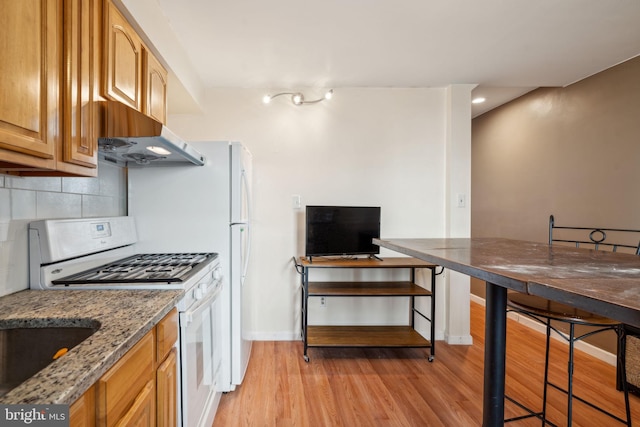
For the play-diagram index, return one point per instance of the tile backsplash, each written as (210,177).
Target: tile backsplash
(24,199)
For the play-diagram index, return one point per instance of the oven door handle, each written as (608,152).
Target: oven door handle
(186,317)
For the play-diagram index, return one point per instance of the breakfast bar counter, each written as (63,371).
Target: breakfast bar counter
(601,282)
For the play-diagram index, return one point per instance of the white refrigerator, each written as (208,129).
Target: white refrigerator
(203,209)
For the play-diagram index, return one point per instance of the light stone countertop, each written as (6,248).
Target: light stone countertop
(125,316)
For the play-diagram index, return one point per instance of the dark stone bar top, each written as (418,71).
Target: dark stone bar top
(602,282)
(125,316)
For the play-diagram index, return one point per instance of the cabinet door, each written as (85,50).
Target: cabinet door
(123,61)
(31,43)
(122,384)
(167,391)
(166,334)
(142,412)
(79,145)
(155,86)
(82,413)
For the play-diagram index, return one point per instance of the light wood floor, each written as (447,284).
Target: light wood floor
(398,387)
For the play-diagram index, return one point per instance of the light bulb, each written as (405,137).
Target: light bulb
(266,99)
(297,98)
(478,100)
(159,150)
(329,94)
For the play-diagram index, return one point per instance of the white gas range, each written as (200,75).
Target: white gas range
(99,253)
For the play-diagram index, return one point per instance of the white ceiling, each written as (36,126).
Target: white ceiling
(507,47)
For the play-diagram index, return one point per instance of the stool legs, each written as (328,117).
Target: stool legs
(569,391)
(571,340)
(623,371)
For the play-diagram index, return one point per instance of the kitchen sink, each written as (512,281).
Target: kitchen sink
(27,347)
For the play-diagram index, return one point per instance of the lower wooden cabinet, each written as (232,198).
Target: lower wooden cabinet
(120,386)
(83,411)
(140,389)
(167,391)
(142,413)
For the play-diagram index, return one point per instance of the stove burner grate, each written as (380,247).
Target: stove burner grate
(143,268)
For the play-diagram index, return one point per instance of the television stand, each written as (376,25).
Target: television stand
(367,336)
(374,256)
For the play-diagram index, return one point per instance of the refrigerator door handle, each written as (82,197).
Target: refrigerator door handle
(246,258)
(247,193)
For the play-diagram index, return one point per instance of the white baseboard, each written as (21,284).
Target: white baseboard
(275,336)
(590,349)
(459,339)
(293,336)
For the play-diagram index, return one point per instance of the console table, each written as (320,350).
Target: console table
(601,282)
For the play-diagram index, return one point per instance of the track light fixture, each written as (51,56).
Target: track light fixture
(297,98)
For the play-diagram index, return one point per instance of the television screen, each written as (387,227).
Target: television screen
(342,230)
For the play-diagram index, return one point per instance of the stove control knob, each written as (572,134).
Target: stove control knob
(197,294)
(203,288)
(217,273)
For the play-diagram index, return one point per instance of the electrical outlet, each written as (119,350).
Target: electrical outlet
(323,302)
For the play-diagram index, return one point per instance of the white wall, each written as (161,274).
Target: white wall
(458,209)
(368,146)
(382,147)
(23,199)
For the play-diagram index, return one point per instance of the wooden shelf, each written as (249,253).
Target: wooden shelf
(365,336)
(391,262)
(360,289)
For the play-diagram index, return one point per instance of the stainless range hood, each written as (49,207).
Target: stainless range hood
(129,138)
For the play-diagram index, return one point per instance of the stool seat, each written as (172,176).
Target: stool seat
(537,306)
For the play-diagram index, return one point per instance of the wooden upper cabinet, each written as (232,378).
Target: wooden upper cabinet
(81,41)
(47,80)
(31,43)
(155,88)
(59,57)
(123,59)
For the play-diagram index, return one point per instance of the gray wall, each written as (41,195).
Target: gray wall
(573,152)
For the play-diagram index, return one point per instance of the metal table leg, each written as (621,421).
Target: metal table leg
(305,298)
(433,314)
(494,355)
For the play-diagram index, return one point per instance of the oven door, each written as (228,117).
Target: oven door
(200,360)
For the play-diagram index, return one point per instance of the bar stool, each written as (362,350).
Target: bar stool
(546,311)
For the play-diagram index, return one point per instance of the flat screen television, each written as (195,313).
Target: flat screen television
(342,230)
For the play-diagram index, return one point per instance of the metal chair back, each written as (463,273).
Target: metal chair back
(598,238)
